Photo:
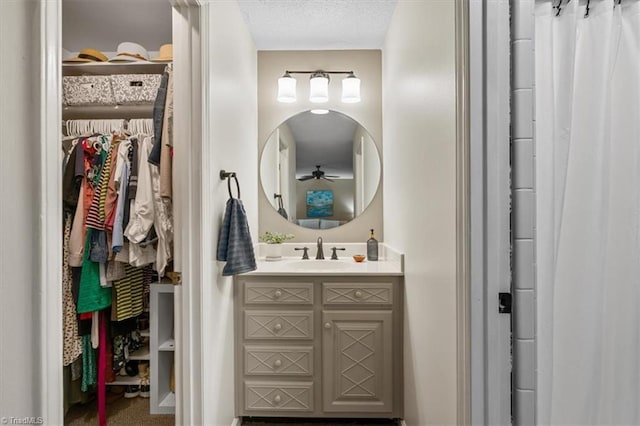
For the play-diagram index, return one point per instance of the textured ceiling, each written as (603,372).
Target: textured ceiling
(103,24)
(274,24)
(317,24)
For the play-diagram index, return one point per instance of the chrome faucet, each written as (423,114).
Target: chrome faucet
(320,253)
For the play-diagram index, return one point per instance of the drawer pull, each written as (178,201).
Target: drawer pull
(277,399)
(277,327)
(358,294)
(277,294)
(277,363)
(327,325)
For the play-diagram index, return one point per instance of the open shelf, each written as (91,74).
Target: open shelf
(125,381)
(168,401)
(142,354)
(107,111)
(163,343)
(101,68)
(168,345)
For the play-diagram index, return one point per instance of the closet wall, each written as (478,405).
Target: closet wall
(20,354)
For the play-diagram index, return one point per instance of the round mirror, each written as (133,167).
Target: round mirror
(320,169)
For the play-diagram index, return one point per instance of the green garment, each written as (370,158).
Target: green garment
(89,369)
(91,297)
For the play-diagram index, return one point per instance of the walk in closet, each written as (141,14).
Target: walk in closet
(118,231)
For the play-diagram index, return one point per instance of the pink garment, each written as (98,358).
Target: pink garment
(102,370)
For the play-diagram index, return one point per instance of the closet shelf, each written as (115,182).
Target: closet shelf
(101,68)
(107,111)
(141,354)
(124,381)
(169,400)
(168,345)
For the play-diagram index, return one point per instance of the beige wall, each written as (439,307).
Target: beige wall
(366,64)
(419,207)
(232,121)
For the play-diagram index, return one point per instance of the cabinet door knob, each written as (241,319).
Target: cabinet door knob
(277,363)
(358,294)
(277,294)
(327,325)
(277,327)
(277,399)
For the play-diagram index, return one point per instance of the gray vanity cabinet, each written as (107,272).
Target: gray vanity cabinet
(320,346)
(357,361)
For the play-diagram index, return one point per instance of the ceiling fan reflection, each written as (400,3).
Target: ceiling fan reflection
(317,174)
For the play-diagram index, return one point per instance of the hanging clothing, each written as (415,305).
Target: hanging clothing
(142,212)
(96,215)
(117,239)
(158,119)
(72,344)
(92,296)
(162,219)
(166,149)
(71,183)
(129,293)
(89,369)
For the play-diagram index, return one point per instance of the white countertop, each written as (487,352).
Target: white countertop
(391,262)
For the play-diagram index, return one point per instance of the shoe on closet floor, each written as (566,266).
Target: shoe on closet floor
(131,391)
(144,380)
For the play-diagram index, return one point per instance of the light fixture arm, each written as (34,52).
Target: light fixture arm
(319,72)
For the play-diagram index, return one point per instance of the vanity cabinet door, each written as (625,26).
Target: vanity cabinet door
(357,361)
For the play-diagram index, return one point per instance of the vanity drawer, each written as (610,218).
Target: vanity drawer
(278,360)
(271,293)
(336,293)
(294,325)
(278,396)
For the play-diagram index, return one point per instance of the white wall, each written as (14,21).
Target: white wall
(232,122)
(368,113)
(418,67)
(20,394)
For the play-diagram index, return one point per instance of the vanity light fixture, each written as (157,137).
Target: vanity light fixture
(319,86)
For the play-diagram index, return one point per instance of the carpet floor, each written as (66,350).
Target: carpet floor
(120,411)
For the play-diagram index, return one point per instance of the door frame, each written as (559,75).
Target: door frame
(187,20)
(490,82)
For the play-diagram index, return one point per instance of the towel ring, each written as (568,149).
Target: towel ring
(228,176)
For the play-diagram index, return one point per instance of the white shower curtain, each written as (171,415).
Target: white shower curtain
(587,91)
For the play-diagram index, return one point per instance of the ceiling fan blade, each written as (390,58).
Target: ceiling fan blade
(326,178)
(333,176)
(305,178)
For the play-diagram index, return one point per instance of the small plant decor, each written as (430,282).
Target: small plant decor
(275,237)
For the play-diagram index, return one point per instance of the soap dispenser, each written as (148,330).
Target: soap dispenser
(372,247)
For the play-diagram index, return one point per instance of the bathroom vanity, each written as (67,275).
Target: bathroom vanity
(319,338)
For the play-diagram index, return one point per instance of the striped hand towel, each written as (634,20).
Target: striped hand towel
(235,245)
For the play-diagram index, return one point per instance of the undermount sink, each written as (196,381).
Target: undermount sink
(322,265)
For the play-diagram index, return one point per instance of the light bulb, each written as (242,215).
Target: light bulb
(286,88)
(319,88)
(351,89)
